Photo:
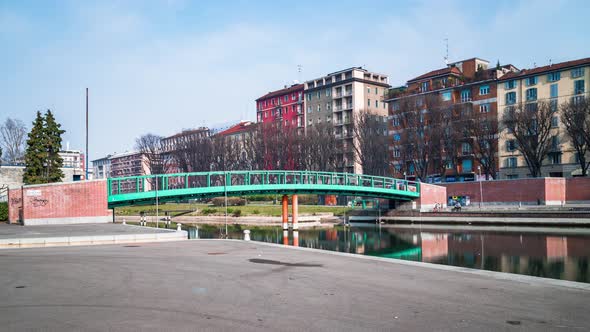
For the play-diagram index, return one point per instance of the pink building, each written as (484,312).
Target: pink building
(285,105)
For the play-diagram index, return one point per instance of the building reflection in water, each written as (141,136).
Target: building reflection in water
(545,255)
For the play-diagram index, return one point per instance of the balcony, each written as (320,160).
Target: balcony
(348,93)
(337,108)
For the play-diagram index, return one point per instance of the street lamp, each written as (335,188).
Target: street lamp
(480,188)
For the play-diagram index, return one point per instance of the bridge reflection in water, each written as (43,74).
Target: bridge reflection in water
(550,255)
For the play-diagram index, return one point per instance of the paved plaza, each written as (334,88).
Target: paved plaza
(247,286)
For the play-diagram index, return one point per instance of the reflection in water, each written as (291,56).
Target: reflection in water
(544,255)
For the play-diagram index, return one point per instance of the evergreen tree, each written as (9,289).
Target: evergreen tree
(42,160)
(35,153)
(52,139)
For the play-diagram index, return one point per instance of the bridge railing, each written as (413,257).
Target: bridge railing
(163,182)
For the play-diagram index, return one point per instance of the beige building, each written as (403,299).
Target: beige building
(556,83)
(337,97)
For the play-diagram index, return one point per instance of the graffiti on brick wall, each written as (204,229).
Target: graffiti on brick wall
(15,201)
(38,202)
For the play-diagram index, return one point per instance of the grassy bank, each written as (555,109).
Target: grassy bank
(209,210)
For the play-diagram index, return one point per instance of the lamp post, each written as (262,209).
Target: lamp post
(480,188)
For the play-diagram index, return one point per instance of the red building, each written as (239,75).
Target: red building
(285,105)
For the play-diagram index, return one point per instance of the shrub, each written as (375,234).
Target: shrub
(237,213)
(231,201)
(3,211)
(208,211)
(261,198)
(256,211)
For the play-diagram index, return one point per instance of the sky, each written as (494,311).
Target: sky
(163,66)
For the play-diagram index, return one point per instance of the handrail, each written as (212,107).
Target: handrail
(238,178)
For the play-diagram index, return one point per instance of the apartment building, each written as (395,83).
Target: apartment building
(555,83)
(464,90)
(284,106)
(171,143)
(74,159)
(101,167)
(336,98)
(128,164)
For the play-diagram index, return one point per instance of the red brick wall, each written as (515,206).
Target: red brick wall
(58,201)
(430,195)
(577,189)
(548,190)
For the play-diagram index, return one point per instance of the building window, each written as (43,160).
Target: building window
(319,94)
(308,96)
(510,85)
(553,77)
(579,87)
(309,109)
(554,90)
(368,102)
(467,165)
(553,105)
(446,96)
(319,108)
(376,91)
(465,95)
(484,90)
(368,90)
(449,164)
(328,91)
(510,98)
(554,158)
(511,162)
(396,153)
(328,107)
(286,98)
(396,121)
(484,108)
(424,86)
(554,121)
(531,94)
(466,148)
(578,72)
(376,103)
(529,81)
(510,145)
(554,143)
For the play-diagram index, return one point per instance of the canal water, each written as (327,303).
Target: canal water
(551,252)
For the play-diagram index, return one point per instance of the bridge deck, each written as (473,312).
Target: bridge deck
(180,186)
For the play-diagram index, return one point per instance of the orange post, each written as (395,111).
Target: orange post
(295,204)
(286,238)
(296,238)
(285,202)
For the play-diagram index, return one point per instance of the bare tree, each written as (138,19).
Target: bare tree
(151,146)
(193,154)
(370,143)
(484,131)
(530,125)
(14,134)
(575,116)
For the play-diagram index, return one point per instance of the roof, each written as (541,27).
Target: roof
(237,128)
(549,68)
(438,72)
(188,132)
(292,88)
(124,154)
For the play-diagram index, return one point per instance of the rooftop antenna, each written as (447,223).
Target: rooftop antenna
(549,62)
(299,69)
(447,51)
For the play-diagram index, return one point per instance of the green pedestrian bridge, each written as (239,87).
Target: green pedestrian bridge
(139,190)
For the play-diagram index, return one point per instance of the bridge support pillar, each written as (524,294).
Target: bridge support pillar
(295,203)
(285,203)
(295,238)
(286,237)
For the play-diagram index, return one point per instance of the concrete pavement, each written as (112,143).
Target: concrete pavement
(82,234)
(247,286)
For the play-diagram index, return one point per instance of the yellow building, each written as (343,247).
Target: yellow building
(553,84)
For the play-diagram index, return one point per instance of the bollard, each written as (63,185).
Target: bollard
(246,235)
(178,227)
(124,223)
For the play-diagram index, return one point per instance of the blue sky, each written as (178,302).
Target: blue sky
(161,66)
